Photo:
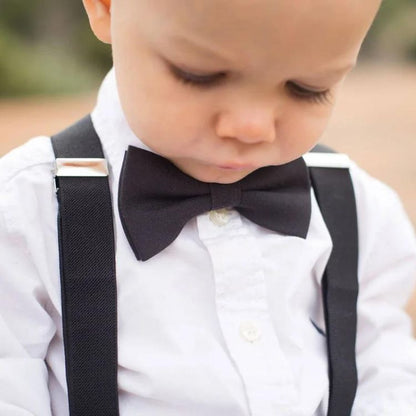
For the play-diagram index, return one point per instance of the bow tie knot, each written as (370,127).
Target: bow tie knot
(225,195)
(156,199)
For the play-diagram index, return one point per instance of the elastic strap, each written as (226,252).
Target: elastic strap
(88,281)
(335,194)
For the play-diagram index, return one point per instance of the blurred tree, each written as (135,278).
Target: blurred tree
(18,16)
(55,38)
(390,14)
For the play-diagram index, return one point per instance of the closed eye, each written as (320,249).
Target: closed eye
(210,80)
(303,93)
(198,80)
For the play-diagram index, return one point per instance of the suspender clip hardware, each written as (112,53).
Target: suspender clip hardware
(90,167)
(327,160)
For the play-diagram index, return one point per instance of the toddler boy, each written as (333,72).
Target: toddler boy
(227,318)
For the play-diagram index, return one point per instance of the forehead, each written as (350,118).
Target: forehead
(247,29)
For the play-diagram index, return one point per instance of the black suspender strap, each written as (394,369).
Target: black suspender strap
(87,267)
(336,198)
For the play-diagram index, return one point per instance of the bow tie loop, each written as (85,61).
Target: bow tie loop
(225,195)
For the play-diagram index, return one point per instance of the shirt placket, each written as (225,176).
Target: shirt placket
(243,313)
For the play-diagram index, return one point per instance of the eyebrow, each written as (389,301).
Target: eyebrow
(201,48)
(214,53)
(343,69)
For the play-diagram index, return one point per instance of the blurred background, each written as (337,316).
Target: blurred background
(46,46)
(51,66)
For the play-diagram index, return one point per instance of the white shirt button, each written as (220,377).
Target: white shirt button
(219,217)
(249,331)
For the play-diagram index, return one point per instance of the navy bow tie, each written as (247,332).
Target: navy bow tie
(156,199)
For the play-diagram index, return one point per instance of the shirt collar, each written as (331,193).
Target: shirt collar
(111,124)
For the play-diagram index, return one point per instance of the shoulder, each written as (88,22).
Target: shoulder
(26,181)
(376,202)
(387,243)
(37,153)
(29,254)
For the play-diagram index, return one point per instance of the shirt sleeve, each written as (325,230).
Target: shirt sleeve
(26,327)
(386,350)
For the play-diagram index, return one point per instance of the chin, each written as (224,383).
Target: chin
(221,176)
(213,174)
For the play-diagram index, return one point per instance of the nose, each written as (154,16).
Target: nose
(249,125)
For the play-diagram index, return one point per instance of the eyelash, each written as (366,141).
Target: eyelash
(301,93)
(201,81)
(207,81)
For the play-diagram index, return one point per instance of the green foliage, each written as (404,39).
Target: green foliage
(34,68)
(389,19)
(19,14)
(47,47)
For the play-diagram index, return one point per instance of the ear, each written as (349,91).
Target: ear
(99,15)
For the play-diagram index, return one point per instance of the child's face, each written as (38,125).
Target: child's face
(263,76)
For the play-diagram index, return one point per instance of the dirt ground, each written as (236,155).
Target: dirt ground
(374,122)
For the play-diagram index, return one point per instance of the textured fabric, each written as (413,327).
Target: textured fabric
(88,281)
(222,322)
(336,199)
(156,199)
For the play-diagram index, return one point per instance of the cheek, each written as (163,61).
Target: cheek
(302,126)
(159,110)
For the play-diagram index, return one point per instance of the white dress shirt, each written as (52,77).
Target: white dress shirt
(219,323)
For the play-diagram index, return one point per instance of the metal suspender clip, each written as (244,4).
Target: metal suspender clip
(327,160)
(79,167)
(91,167)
